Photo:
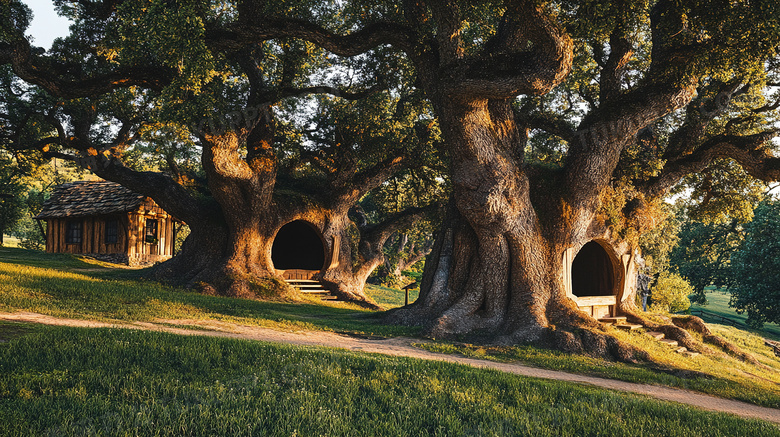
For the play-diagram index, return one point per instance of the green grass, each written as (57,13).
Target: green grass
(721,376)
(73,287)
(76,382)
(67,286)
(9,241)
(390,297)
(718,303)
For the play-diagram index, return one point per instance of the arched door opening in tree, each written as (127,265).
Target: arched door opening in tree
(592,272)
(595,279)
(298,246)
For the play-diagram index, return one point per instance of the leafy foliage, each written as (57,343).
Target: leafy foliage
(756,267)
(704,254)
(670,293)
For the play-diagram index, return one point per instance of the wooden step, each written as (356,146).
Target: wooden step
(613,320)
(656,335)
(329,297)
(307,285)
(629,326)
(311,287)
(672,343)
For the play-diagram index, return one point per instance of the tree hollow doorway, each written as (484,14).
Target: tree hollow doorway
(592,272)
(298,246)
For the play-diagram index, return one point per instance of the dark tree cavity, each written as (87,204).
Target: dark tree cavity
(298,245)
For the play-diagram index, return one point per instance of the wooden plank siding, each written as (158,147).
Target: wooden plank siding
(131,229)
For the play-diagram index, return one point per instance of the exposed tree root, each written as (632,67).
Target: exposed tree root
(695,324)
(672,332)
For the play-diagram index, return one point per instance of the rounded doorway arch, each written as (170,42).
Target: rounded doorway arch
(298,245)
(593,272)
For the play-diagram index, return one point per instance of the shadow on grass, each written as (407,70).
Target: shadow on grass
(67,286)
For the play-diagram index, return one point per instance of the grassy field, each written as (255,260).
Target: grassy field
(77,382)
(9,241)
(718,303)
(390,297)
(67,286)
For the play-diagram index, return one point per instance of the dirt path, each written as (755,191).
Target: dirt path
(402,347)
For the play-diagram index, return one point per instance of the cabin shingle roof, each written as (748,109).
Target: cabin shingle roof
(87,198)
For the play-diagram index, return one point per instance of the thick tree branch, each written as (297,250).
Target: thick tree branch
(373,237)
(748,151)
(40,70)
(501,72)
(611,79)
(349,192)
(548,122)
(253,30)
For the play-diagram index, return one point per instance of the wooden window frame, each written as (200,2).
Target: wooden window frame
(74,231)
(112,231)
(151,228)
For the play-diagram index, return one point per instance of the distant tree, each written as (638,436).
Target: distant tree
(704,253)
(12,207)
(658,242)
(755,269)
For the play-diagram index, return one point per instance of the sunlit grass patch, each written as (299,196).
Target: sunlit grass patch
(717,375)
(390,297)
(67,381)
(65,286)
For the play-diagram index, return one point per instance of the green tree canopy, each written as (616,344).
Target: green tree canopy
(755,268)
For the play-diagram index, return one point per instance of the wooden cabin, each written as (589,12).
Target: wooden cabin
(109,222)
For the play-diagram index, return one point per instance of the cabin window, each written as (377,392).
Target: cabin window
(150,234)
(112,231)
(73,232)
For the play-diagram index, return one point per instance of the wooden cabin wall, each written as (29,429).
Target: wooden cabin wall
(93,235)
(130,235)
(165,231)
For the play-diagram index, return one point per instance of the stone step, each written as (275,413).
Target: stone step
(629,326)
(656,335)
(613,320)
(672,343)
(690,354)
(681,350)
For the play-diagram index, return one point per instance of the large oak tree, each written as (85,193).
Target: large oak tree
(122,66)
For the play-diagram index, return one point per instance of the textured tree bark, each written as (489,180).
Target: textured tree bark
(497,269)
(346,277)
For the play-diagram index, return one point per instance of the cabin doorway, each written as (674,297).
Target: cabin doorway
(298,250)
